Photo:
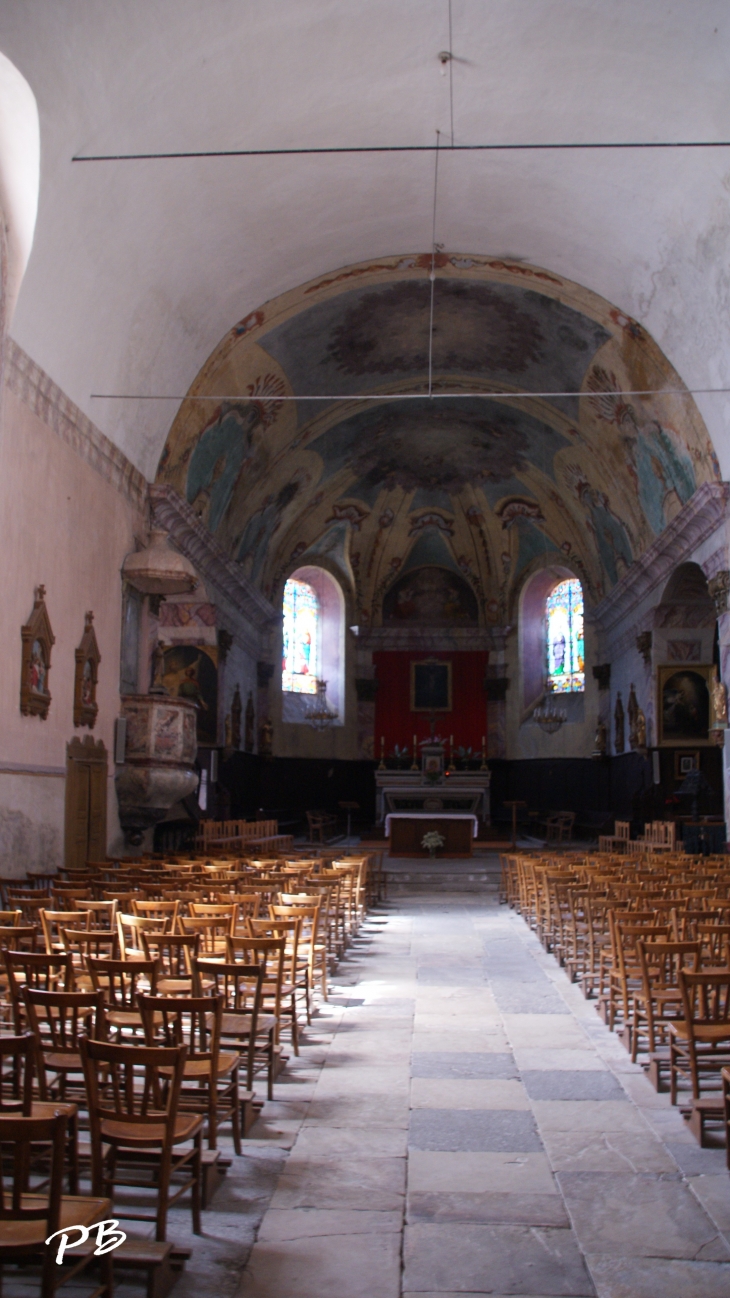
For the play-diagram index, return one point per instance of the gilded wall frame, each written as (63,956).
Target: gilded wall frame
(683,705)
(37,640)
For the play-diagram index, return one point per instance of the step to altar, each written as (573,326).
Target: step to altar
(414,874)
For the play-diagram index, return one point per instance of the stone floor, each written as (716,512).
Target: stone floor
(474,1128)
(459,1121)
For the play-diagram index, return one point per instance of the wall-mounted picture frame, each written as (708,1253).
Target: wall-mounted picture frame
(86,676)
(683,705)
(431,686)
(685,763)
(37,640)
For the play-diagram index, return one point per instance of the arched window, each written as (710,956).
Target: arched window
(313,643)
(564,638)
(302,647)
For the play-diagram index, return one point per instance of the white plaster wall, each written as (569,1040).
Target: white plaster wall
(31,823)
(66,527)
(576,738)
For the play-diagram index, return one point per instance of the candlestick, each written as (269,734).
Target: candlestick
(483,766)
(382,753)
(414,764)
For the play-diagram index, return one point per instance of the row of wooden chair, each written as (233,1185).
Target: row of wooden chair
(649,938)
(147,1019)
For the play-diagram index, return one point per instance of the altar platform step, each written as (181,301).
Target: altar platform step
(477,874)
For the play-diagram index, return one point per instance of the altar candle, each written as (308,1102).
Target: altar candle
(483,742)
(415,741)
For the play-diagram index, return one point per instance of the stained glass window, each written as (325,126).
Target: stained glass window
(301,651)
(565,651)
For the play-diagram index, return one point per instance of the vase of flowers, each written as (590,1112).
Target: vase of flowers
(432,841)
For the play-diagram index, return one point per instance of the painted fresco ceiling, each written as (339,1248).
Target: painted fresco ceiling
(482,489)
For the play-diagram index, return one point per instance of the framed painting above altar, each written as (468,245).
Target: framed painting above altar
(431,686)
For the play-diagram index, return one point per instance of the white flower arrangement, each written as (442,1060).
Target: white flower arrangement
(432,840)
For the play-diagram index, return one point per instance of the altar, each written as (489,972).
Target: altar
(465,792)
(405,830)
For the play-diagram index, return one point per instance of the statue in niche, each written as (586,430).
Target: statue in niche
(600,742)
(633,714)
(718,695)
(236,710)
(618,724)
(640,732)
(250,724)
(266,738)
(158,669)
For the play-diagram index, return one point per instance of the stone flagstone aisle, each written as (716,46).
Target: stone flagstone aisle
(476,1129)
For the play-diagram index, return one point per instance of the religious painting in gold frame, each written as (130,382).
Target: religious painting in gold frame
(683,705)
(431,686)
(86,676)
(37,640)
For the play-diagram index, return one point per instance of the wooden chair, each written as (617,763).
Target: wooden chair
(210,1078)
(157,910)
(39,970)
(17,1061)
(296,972)
(134,1095)
(241,986)
(84,943)
(103,914)
(31,1214)
(212,932)
(21,937)
(54,920)
(57,1021)
(226,911)
(174,953)
(130,929)
(312,934)
(318,822)
(120,983)
(659,999)
(270,953)
(700,1041)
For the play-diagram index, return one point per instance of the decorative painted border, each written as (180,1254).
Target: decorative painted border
(193,539)
(58,412)
(703,514)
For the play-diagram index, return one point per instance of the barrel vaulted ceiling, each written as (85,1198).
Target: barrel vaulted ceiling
(484,488)
(139,268)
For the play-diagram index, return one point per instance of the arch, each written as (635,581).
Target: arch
(313,642)
(533,599)
(483,488)
(19,174)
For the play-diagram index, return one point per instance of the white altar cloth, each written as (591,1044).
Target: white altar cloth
(431,815)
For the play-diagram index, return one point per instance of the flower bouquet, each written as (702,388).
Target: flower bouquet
(432,840)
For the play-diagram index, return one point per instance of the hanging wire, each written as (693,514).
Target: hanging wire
(432,276)
(383,397)
(451,76)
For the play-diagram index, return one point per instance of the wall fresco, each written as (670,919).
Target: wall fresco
(479,488)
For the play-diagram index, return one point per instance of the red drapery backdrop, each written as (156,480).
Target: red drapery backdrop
(395,722)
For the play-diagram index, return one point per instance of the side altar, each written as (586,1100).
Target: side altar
(432,788)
